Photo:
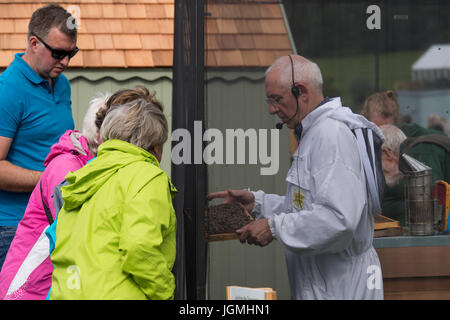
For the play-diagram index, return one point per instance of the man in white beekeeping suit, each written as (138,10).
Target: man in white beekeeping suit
(325,221)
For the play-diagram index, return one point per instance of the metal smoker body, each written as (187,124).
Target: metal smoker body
(422,212)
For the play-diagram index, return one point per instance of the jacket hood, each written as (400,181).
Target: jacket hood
(335,110)
(355,121)
(72,141)
(369,138)
(112,155)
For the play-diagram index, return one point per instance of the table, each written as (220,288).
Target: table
(415,267)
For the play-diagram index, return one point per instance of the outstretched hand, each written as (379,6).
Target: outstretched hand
(244,197)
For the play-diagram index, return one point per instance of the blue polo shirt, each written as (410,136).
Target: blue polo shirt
(35,118)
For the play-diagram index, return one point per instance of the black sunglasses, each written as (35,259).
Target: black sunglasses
(58,54)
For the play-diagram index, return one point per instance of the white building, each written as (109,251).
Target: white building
(433,64)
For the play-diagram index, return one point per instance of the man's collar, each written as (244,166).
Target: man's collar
(28,72)
(299,126)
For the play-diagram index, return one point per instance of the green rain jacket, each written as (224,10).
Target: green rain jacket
(116,233)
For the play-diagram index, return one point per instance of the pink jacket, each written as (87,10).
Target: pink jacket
(27,270)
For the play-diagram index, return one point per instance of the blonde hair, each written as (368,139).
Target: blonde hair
(124,96)
(140,122)
(384,104)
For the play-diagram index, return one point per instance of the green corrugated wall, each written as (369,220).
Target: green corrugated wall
(86,84)
(236,99)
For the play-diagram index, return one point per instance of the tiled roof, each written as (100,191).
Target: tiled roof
(139,33)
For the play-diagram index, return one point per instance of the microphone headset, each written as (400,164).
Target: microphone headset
(296,92)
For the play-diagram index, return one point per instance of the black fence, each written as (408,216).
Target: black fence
(189,178)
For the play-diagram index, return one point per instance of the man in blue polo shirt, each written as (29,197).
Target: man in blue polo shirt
(35,110)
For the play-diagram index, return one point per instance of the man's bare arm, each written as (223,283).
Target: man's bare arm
(14,178)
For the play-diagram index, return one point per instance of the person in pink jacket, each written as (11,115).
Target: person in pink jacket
(27,271)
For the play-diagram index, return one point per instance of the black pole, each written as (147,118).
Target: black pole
(377,60)
(189,178)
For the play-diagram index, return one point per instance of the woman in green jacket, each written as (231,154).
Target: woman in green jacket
(116,231)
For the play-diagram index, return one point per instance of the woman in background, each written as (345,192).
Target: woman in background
(26,273)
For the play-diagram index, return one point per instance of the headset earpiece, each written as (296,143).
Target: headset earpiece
(295,91)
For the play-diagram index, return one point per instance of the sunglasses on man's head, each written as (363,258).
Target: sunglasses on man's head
(58,54)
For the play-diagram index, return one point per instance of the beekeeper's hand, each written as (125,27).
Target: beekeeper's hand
(256,232)
(244,197)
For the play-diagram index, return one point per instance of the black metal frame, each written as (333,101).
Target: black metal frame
(189,179)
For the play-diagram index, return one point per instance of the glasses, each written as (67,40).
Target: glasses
(275,99)
(58,54)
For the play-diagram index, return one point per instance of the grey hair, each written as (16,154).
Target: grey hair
(90,131)
(436,122)
(393,138)
(138,122)
(304,70)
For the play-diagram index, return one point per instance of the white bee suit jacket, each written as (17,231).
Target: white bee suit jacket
(323,221)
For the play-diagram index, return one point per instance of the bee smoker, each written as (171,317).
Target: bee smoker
(423,214)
